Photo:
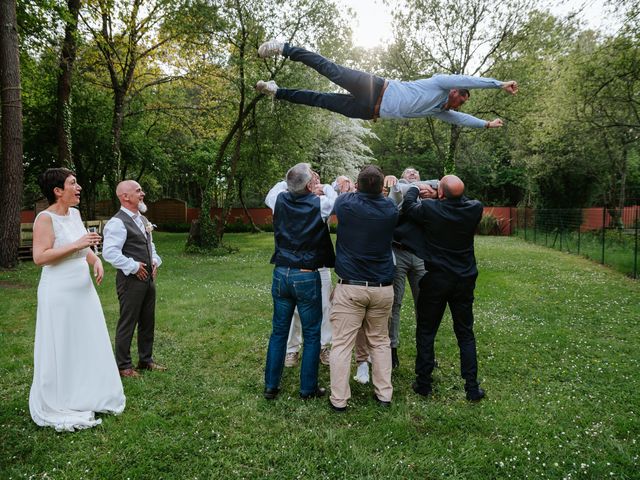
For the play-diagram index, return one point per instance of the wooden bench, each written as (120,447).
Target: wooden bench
(25,250)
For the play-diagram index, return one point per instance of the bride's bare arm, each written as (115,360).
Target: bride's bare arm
(43,238)
(98,269)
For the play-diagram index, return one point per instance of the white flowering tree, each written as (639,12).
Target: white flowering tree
(341,147)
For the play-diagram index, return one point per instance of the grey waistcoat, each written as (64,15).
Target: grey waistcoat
(137,245)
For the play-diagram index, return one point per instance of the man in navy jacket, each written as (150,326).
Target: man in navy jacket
(441,233)
(364,294)
(302,245)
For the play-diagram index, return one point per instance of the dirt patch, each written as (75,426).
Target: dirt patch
(12,285)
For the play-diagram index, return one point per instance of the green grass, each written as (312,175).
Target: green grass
(619,246)
(558,347)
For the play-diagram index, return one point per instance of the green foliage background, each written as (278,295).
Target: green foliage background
(570,140)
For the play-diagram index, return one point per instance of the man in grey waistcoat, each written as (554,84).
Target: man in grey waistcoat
(128,246)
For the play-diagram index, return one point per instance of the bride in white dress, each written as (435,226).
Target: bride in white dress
(75,373)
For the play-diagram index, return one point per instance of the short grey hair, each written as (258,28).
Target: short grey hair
(298,177)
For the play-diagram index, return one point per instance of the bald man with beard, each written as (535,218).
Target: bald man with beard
(128,246)
(441,232)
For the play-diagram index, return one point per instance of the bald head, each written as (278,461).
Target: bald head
(452,187)
(126,186)
(131,196)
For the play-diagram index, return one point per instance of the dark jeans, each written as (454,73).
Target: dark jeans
(364,88)
(437,289)
(290,288)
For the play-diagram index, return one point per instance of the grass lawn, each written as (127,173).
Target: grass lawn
(558,347)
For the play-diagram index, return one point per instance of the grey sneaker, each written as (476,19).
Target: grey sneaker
(291,360)
(362,374)
(270,49)
(267,88)
(325,353)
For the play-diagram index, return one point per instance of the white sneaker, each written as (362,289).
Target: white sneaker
(362,374)
(268,88)
(291,360)
(270,49)
(325,353)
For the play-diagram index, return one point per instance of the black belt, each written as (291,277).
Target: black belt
(376,107)
(360,283)
(400,246)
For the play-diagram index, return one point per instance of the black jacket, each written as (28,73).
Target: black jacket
(441,232)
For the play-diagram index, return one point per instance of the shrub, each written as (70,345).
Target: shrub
(489,225)
(174,227)
(219,251)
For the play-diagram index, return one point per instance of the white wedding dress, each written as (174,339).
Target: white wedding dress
(74,371)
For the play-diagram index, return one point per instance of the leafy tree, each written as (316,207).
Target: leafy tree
(339,148)
(448,36)
(67,59)
(127,34)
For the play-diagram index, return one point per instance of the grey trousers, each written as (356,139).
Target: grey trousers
(407,265)
(137,308)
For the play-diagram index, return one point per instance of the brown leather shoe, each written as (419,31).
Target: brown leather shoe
(129,372)
(151,366)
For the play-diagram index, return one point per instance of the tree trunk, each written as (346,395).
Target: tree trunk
(67,58)
(450,165)
(117,121)
(116,131)
(254,227)
(11,169)
(230,194)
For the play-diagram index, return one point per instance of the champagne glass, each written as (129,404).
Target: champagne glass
(93,230)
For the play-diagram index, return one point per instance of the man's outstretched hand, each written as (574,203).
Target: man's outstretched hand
(497,123)
(510,87)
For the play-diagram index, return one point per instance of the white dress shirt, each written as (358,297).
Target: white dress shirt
(115,234)
(326,201)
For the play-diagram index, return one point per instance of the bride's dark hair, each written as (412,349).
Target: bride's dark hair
(52,178)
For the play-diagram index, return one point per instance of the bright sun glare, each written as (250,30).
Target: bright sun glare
(371,23)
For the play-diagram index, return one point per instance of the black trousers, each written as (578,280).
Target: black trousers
(364,88)
(137,308)
(437,289)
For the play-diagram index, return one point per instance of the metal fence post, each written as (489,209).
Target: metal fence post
(579,230)
(635,250)
(604,219)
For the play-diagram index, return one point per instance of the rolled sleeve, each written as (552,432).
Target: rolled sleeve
(272,196)
(327,201)
(157,261)
(115,234)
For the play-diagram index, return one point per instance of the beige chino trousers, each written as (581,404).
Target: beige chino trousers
(353,307)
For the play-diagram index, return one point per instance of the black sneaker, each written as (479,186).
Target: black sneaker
(422,391)
(395,361)
(382,403)
(337,409)
(319,392)
(475,395)
(270,393)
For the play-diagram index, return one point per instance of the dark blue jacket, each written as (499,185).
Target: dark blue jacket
(365,229)
(441,232)
(301,236)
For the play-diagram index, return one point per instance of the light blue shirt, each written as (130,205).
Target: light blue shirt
(426,97)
